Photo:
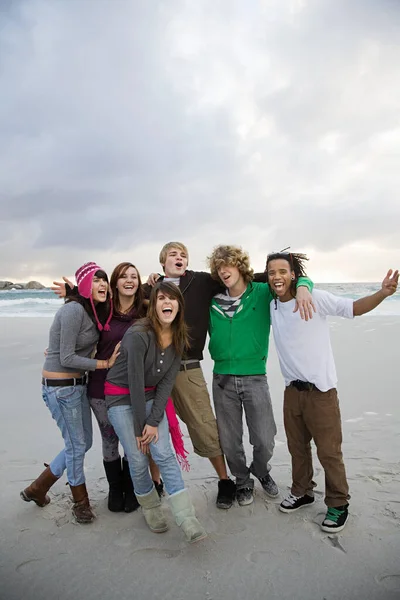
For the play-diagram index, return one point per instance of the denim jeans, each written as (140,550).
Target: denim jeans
(232,394)
(69,407)
(121,418)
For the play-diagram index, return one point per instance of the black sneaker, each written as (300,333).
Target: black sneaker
(293,503)
(335,519)
(159,487)
(269,486)
(244,496)
(226,493)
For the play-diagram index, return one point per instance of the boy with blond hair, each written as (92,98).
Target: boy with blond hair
(190,395)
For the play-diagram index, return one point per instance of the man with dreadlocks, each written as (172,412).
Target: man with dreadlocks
(311,406)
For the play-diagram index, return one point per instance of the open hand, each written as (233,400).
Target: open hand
(152,279)
(149,434)
(304,303)
(114,355)
(389,284)
(143,448)
(60,288)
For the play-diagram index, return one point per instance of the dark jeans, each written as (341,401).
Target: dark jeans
(109,438)
(231,395)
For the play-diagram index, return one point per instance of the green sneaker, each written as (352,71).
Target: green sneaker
(335,519)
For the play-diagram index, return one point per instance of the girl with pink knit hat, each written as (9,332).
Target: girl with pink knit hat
(73,337)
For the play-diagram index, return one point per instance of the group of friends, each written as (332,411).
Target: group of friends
(132,354)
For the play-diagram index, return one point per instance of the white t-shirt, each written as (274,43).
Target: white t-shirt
(304,347)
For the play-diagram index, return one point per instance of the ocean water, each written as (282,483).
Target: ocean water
(44,303)
(29,303)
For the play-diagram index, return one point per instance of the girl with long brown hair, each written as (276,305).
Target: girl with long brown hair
(136,393)
(128,306)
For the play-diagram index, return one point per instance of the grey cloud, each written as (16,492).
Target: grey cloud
(198,121)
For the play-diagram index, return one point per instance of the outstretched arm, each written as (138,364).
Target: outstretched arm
(62,289)
(389,286)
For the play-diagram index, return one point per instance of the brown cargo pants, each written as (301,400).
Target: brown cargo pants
(315,415)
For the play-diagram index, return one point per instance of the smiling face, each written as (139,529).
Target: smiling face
(166,308)
(176,262)
(280,278)
(99,289)
(128,283)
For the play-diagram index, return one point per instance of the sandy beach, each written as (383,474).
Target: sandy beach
(251,552)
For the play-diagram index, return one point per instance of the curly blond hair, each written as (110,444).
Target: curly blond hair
(234,256)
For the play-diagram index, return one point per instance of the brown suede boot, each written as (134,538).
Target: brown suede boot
(81,509)
(37,491)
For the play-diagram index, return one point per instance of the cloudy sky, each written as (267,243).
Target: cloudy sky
(125,124)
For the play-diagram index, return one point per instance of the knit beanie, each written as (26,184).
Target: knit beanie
(84,279)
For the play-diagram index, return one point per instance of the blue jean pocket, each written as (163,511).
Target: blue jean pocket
(70,395)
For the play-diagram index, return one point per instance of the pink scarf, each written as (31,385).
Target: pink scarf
(174,429)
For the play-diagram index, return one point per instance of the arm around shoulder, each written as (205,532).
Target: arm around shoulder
(305,282)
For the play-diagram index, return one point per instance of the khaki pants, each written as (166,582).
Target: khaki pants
(193,406)
(315,415)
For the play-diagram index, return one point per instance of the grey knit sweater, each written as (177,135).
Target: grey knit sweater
(142,363)
(72,339)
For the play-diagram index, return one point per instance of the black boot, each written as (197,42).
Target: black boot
(115,481)
(131,502)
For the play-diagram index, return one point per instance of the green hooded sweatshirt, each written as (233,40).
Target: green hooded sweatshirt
(239,344)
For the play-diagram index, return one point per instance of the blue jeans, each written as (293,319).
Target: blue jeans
(121,418)
(69,407)
(232,394)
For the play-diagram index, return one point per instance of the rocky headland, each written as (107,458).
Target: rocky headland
(31,285)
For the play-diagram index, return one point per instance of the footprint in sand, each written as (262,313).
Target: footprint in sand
(149,553)
(22,463)
(390,582)
(126,539)
(263,557)
(334,541)
(24,565)
(230,527)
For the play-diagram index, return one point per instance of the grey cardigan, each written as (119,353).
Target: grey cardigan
(141,364)
(72,339)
